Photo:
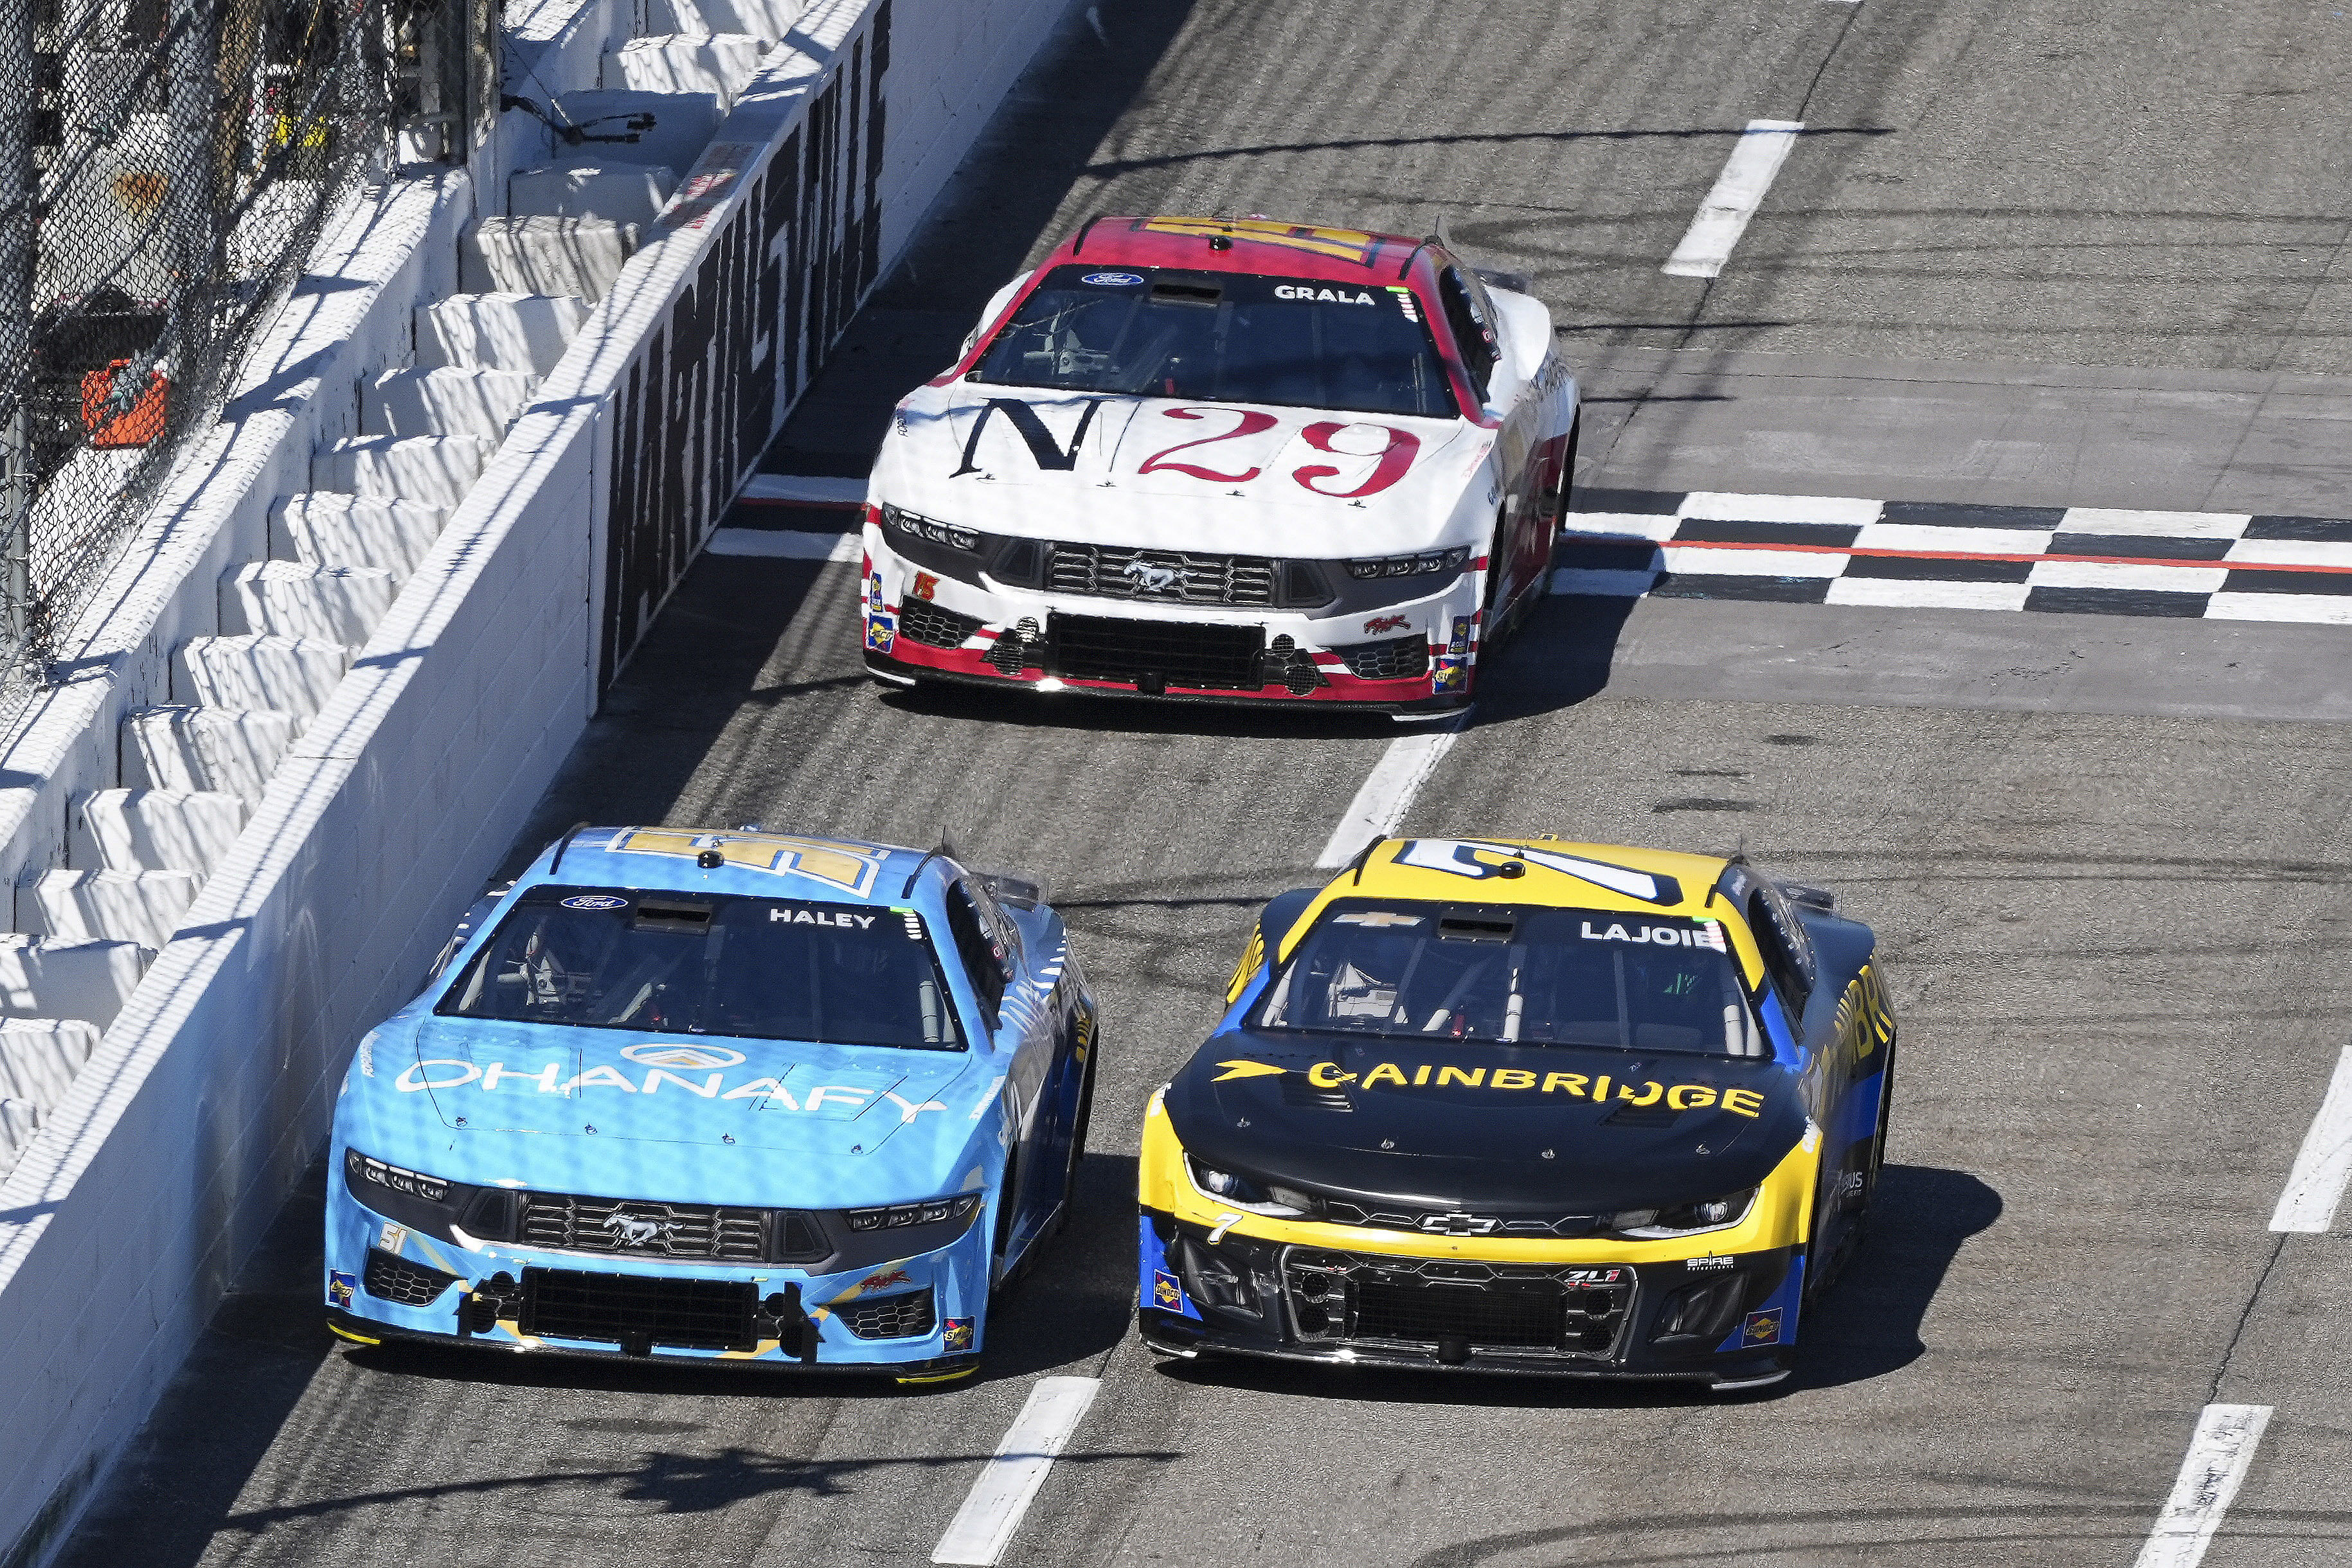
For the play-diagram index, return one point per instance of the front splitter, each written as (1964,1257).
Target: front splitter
(1745,1371)
(899,673)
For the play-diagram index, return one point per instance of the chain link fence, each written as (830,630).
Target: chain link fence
(164,168)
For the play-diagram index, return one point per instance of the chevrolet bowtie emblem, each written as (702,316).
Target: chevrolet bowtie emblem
(1458,1224)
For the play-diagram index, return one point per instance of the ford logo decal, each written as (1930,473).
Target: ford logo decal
(596,900)
(1113,279)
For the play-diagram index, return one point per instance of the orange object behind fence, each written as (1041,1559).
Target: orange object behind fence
(139,425)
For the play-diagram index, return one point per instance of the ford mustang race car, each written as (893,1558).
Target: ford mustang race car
(740,1096)
(1520,1106)
(1226,459)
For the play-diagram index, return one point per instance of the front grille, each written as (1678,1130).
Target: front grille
(921,621)
(1172,577)
(1524,1316)
(907,1315)
(1390,658)
(1450,1309)
(641,1228)
(389,1277)
(1447,1223)
(639,1311)
(1163,653)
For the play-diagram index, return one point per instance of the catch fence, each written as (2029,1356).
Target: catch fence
(164,168)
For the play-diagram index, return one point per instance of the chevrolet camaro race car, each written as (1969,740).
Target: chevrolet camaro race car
(733,1095)
(1225,459)
(1523,1106)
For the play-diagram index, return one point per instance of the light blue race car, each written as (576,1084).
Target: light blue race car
(722,1095)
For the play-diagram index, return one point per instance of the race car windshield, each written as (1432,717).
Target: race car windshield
(1223,336)
(762,968)
(1519,976)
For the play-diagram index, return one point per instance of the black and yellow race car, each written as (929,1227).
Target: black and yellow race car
(1527,1106)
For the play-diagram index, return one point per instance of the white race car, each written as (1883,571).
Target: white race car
(1225,459)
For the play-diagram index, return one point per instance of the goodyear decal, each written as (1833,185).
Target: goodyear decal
(1596,1087)
(1344,244)
(850,866)
(1160,1285)
(1774,1321)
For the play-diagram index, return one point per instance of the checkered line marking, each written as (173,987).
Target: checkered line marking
(1837,550)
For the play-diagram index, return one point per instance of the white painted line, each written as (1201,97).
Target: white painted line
(2314,609)
(991,1511)
(1738,191)
(2289,552)
(784,544)
(2324,1161)
(1381,804)
(2166,525)
(1622,525)
(2104,574)
(1709,561)
(2219,1457)
(1845,511)
(1961,542)
(1905,593)
(805,488)
(1605,584)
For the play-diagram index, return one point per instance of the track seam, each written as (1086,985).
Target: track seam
(2229,1353)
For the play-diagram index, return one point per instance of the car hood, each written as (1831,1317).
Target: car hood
(1244,479)
(484,1078)
(1346,1118)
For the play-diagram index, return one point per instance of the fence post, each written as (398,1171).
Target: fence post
(20,190)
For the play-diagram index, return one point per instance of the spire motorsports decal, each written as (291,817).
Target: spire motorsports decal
(1575,1085)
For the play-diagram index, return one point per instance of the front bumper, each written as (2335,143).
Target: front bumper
(1724,1321)
(918,1316)
(921,625)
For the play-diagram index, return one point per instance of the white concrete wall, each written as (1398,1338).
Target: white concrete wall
(152,1180)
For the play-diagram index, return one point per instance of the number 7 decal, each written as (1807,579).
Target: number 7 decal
(1251,422)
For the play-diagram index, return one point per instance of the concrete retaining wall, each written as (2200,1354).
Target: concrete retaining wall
(153,1177)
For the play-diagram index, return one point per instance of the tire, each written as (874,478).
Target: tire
(1001,1279)
(1077,1145)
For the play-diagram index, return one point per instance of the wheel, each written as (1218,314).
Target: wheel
(1001,1279)
(1078,1145)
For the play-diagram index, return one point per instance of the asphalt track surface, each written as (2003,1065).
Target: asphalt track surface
(2104,855)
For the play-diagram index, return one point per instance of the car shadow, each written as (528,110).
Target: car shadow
(1867,1326)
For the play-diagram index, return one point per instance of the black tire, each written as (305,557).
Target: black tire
(1077,1145)
(1878,1139)
(1002,1280)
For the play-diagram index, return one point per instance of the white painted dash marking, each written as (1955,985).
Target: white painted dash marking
(993,1510)
(788,546)
(807,489)
(2316,1185)
(2219,1457)
(1381,804)
(1756,158)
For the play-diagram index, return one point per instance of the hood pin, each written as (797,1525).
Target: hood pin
(1546,1153)
(1388,1142)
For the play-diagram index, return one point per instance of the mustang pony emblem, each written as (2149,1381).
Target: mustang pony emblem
(633,1230)
(1149,576)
